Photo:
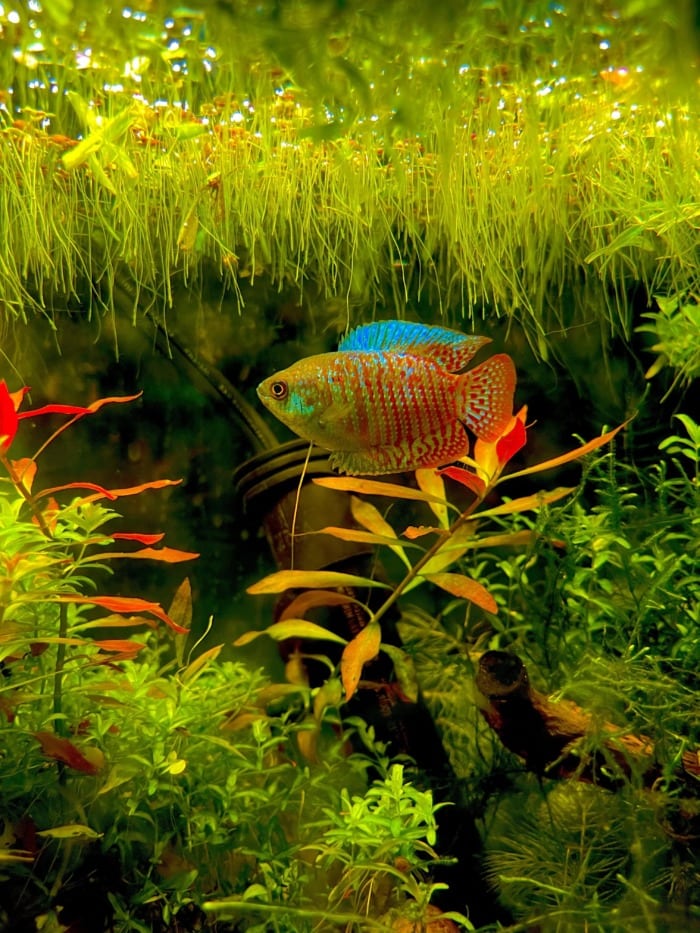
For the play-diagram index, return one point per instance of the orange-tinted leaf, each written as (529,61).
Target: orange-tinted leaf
(363,648)
(168,555)
(103,493)
(465,588)
(307,740)
(125,604)
(373,487)
(309,579)
(120,645)
(571,455)
(133,490)
(430,481)
(17,396)
(525,503)
(419,531)
(291,628)
(369,517)
(312,599)
(53,746)
(133,536)
(115,400)
(453,548)
(25,469)
(355,535)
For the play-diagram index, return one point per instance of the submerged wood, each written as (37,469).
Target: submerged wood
(562,740)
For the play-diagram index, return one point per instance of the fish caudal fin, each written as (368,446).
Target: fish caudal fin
(485,397)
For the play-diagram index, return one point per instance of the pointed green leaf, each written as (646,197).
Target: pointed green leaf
(309,579)
(292,628)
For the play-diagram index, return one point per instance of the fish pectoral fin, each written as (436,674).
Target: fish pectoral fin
(335,413)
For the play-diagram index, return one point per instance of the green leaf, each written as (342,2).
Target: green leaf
(309,579)
(291,628)
(71,831)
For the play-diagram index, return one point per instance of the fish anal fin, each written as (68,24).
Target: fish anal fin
(486,403)
(450,348)
(426,451)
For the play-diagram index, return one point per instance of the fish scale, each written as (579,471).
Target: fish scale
(388,400)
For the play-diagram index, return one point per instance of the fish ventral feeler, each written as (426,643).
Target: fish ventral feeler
(392,398)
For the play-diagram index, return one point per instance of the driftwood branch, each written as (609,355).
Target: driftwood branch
(562,740)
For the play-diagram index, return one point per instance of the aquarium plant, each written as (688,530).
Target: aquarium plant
(194,198)
(532,162)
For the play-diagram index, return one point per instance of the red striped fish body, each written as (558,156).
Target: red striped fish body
(387,400)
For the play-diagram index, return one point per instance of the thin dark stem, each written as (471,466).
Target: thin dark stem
(59,724)
(429,554)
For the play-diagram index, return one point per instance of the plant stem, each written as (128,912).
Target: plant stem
(59,724)
(429,554)
(18,483)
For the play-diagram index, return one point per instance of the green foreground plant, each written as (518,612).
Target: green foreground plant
(599,591)
(145,785)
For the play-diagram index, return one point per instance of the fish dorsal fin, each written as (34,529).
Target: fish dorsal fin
(449,348)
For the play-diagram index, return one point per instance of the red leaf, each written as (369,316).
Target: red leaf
(55,410)
(133,536)
(125,604)
(466,478)
(133,490)
(122,646)
(8,417)
(53,746)
(103,492)
(508,445)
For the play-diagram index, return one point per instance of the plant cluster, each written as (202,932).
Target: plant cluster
(600,593)
(444,172)
(151,786)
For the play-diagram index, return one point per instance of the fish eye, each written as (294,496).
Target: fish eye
(278,390)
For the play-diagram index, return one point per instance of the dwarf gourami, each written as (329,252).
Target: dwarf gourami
(390,398)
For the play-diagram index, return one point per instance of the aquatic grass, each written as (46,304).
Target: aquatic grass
(535,182)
